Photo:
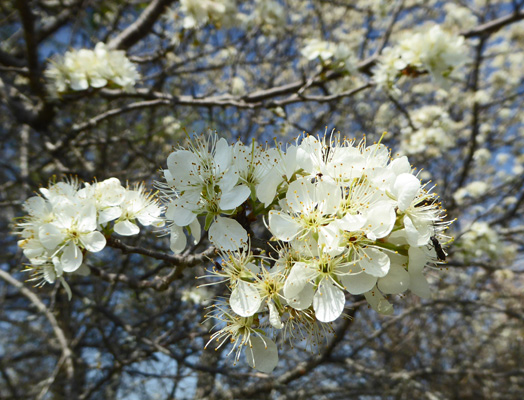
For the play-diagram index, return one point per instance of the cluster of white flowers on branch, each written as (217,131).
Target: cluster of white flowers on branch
(337,56)
(67,220)
(435,51)
(345,218)
(80,69)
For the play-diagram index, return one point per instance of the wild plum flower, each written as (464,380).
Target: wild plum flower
(80,69)
(68,221)
(204,180)
(200,12)
(261,352)
(435,51)
(139,205)
(337,55)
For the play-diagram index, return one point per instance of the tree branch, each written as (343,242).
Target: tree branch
(141,27)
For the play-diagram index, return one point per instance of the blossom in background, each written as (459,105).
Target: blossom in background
(431,133)
(80,69)
(200,12)
(67,221)
(435,51)
(339,55)
(472,190)
(480,240)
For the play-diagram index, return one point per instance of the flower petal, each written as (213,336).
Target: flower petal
(283,226)
(300,274)
(274,316)
(93,241)
(178,239)
(359,282)
(378,302)
(262,354)
(419,285)
(234,197)
(245,299)
(375,262)
(71,258)
(126,228)
(395,282)
(227,234)
(328,301)
(303,299)
(50,236)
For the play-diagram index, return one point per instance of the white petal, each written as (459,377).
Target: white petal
(406,188)
(222,154)
(395,282)
(329,238)
(87,218)
(181,164)
(71,258)
(417,260)
(50,236)
(328,195)
(67,288)
(48,270)
(245,299)
(109,214)
(380,220)
(267,188)
(417,234)
(180,211)
(358,283)
(378,302)
(328,301)
(419,285)
(227,234)
(274,316)
(304,299)
(400,165)
(228,180)
(126,228)
(301,196)
(300,274)
(178,240)
(93,241)
(283,226)
(375,262)
(262,354)
(196,230)
(352,222)
(234,197)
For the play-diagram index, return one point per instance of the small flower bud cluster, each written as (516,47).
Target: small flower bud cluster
(66,221)
(346,220)
(434,51)
(80,69)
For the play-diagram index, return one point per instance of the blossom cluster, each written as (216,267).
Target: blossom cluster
(435,51)
(336,55)
(481,241)
(343,219)
(269,15)
(199,12)
(66,220)
(80,69)
(430,132)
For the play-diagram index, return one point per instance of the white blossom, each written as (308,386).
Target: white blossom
(80,69)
